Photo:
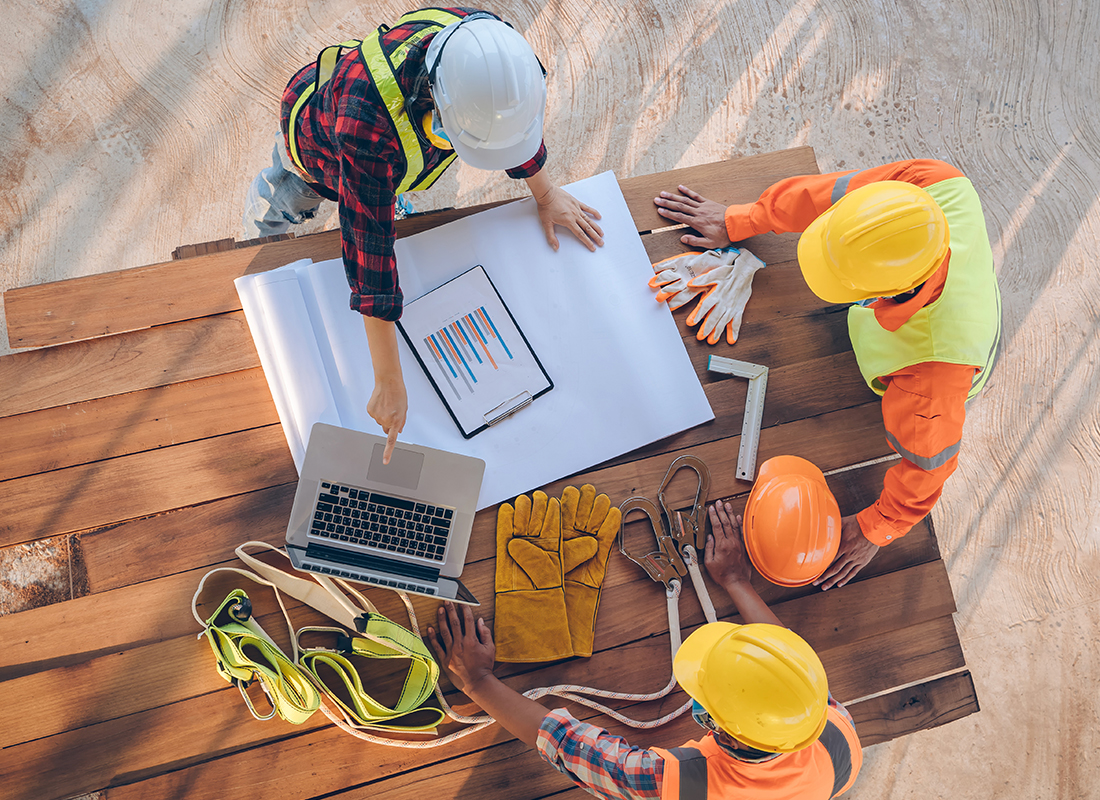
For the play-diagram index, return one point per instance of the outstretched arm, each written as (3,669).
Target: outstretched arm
(466,651)
(388,404)
(728,563)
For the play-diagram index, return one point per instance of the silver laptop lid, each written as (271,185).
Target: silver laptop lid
(415,474)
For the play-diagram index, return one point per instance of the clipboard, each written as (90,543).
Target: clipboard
(473,351)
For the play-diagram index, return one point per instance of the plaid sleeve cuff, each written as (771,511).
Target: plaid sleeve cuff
(381,306)
(526,170)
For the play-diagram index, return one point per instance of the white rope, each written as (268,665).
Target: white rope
(691,559)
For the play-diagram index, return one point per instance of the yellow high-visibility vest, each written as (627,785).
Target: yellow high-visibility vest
(383,70)
(963,325)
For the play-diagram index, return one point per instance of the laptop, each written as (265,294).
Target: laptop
(404,525)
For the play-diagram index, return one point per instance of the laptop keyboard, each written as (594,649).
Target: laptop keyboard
(358,516)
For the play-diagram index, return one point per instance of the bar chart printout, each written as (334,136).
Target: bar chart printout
(472,350)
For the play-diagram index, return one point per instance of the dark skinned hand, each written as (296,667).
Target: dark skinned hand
(855,553)
(465,648)
(694,210)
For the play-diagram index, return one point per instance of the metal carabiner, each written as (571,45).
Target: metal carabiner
(663,564)
(688,528)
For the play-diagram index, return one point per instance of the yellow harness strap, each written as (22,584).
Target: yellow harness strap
(330,679)
(338,670)
(382,69)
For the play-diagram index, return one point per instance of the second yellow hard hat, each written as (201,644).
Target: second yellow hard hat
(762,684)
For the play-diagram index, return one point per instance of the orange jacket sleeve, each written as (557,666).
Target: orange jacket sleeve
(923,409)
(793,203)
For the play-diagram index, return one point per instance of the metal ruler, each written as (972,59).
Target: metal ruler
(754,409)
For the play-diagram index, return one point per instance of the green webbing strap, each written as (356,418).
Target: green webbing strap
(385,640)
(294,686)
(245,653)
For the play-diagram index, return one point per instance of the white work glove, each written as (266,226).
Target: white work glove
(672,274)
(724,302)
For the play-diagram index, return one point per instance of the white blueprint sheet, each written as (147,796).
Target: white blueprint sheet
(622,377)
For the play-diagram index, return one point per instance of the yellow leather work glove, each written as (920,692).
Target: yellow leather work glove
(530,623)
(589,527)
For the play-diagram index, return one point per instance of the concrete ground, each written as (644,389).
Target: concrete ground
(134,126)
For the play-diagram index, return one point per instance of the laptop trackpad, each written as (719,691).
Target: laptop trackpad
(403,469)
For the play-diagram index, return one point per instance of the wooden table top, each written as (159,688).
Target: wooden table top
(141,439)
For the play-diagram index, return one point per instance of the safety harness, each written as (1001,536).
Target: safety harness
(383,69)
(335,680)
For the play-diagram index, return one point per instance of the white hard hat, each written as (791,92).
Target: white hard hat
(489,90)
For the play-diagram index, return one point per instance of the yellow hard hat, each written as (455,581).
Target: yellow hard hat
(792,522)
(880,240)
(762,684)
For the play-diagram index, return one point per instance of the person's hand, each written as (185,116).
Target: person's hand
(694,210)
(558,207)
(465,648)
(855,553)
(388,406)
(725,557)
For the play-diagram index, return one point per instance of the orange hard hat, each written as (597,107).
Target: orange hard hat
(792,522)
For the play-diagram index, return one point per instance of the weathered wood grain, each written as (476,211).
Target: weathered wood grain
(201,286)
(121,424)
(127,487)
(111,365)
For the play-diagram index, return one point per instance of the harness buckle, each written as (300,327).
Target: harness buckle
(664,564)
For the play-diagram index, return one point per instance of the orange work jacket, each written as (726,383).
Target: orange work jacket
(924,405)
(701,770)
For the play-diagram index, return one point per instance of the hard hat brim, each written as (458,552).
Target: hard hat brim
(694,649)
(501,158)
(814,264)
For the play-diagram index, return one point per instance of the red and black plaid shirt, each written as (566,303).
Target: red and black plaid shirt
(349,148)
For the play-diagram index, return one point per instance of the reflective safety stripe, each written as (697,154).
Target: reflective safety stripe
(840,188)
(326,65)
(839,753)
(930,463)
(693,773)
(383,70)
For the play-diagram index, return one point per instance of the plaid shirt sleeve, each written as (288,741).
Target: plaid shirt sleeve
(603,764)
(349,149)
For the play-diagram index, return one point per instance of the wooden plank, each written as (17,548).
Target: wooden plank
(149,548)
(739,180)
(78,498)
(837,620)
(895,658)
(128,749)
(118,425)
(121,423)
(144,549)
(113,365)
(106,492)
(836,439)
(916,708)
(132,299)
